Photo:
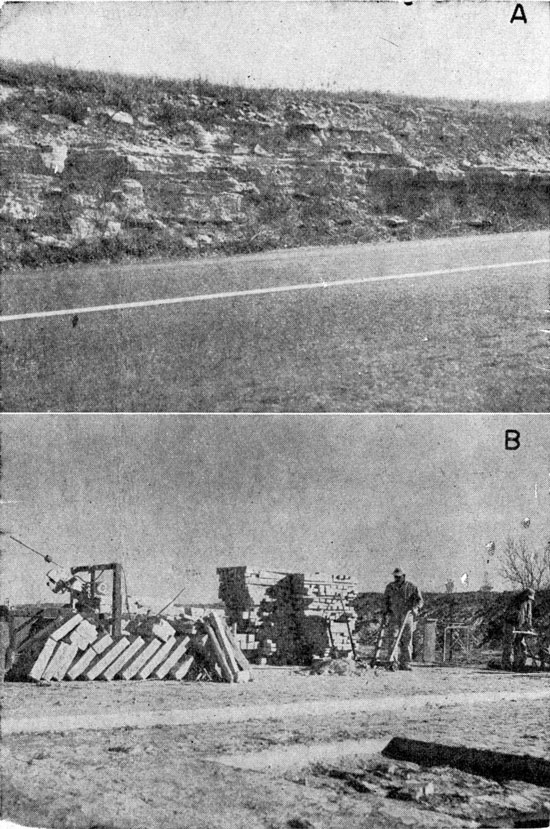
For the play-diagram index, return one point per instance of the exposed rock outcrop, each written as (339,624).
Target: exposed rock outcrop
(190,168)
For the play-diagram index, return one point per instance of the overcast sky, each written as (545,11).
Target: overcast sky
(453,49)
(344,494)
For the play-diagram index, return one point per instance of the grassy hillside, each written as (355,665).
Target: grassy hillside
(103,166)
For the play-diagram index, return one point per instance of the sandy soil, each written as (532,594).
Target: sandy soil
(188,776)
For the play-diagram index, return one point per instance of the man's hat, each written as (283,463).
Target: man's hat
(398,572)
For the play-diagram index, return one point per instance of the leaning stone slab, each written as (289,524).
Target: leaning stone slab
(42,660)
(141,659)
(122,660)
(111,654)
(157,659)
(173,658)
(67,627)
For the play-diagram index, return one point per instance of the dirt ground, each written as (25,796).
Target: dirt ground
(309,763)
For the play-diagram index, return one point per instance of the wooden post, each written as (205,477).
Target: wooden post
(348,627)
(116,629)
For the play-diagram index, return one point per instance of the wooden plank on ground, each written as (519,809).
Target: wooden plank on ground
(495,765)
(42,659)
(105,660)
(157,659)
(141,659)
(121,661)
(173,658)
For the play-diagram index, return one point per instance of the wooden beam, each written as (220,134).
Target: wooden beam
(495,765)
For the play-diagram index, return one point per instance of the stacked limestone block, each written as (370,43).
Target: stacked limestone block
(287,618)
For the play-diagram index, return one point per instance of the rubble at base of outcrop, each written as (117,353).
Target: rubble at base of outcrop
(195,173)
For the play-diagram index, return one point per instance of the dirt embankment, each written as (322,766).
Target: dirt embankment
(97,166)
(483,611)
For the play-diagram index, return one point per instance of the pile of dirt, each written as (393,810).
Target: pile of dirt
(102,166)
(340,667)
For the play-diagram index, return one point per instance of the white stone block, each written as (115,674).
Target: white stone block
(109,656)
(141,659)
(66,627)
(180,671)
(126,656)
(157,659)
(81,664)
(42,659)
(173,658)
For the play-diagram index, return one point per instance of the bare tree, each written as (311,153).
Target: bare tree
(524,567)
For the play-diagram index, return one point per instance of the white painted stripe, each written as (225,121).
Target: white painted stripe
(276,289)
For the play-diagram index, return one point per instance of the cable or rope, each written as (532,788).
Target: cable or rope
(166,606)
(44,556)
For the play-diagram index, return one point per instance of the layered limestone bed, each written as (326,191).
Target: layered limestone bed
(190,168)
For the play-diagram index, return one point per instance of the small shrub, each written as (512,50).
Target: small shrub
(72,106)
(171,116)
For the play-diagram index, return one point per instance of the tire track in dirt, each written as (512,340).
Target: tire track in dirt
(147,719)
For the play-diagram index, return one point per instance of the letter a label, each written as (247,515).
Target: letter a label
(519,14)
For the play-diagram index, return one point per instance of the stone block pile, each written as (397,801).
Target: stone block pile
(72,647)
(288,618)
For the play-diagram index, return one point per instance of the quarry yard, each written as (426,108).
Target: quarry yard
(305,751)
(455,324)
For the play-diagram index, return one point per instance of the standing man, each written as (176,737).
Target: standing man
(518,616)
(402,601)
